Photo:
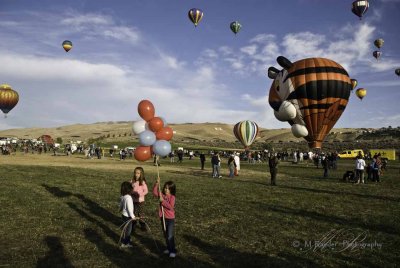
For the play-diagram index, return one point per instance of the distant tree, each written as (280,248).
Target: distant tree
(119,135)
(108,135)
(125,134)
(59,140)
(113,135)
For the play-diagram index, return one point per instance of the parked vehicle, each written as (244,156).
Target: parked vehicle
(351,154)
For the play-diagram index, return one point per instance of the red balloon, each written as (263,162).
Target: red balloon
(165,133)
(146,110)
(142,153)
(156,124)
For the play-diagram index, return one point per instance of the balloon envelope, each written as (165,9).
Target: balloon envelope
(354,83)
(146,110)
(67,45)
(376,54)
(397,71)
(235,27)
(359,7)
(8,98)
(379,43)
(246,132)
(161,148)
(361,93)
(147,138)
(195,15)
(318,88)
(142,153)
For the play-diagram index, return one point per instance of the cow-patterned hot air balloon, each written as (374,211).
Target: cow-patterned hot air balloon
(195,15)
(379,43)
(235,27)
(311,94)
(359,7)
(246,132)
(8,98)
(67,45)
(361,93)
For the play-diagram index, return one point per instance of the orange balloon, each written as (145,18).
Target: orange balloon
(142,153)
(146,110)
(156,124)
(165,133)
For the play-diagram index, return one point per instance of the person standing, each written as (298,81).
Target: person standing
(237,162)
(360,165)
(140,190)
(127,210)
(325,165)
(231,166)
(202,160)
(273,168)
(215,161)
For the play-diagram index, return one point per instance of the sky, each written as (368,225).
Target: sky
(125,51)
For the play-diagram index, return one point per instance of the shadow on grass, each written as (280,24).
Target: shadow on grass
(353,223)
(228,257)
(55,257)
(192,172)
(385,198)
(94,208)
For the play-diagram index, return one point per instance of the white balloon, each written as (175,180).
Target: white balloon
(299,130)
(138,127)
(286,111)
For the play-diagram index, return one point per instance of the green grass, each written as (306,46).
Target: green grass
(65,216)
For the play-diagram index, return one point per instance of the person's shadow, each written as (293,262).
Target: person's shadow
(55,257)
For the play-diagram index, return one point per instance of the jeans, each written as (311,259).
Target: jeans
(231,172)
(216,169)
(127,235)
(169,234)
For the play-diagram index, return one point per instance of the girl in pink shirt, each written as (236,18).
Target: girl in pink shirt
(139,191)
(167,203)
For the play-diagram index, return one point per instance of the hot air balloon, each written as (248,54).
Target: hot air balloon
(359,7)
(67,45)
(361,93)
(397,71)
(195,15)
(377,54)
(354,83)
(246,131)
(8,98)
(379,43)
(311,94)
(235,27)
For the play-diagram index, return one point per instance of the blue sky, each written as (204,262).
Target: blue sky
(126,51)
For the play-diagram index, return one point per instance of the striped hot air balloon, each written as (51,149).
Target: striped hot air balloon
(8,98)
(195,15)
(311,94)
(67,45)
(246,132)
(359,7)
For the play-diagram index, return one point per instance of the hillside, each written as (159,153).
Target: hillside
(208,134)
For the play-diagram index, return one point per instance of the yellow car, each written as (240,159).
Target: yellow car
(351,154)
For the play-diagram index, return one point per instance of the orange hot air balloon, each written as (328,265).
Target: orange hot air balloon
(8,98)
(361,93)
(165,133)
(311,94)
(142,153)
(354,83)
(146,110)
(156,124)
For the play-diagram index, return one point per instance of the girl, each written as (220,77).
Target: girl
(167,203)
(126,207)
(139,191)
(231,166)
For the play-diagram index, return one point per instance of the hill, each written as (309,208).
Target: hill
(212,135)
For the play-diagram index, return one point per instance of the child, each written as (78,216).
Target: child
(126,207)
(167,203)
(139,191)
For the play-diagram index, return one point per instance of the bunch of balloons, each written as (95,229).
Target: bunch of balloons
(154,135)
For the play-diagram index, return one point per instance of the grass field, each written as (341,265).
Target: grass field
(59,211)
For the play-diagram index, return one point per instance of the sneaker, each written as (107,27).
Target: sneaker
(220,177)
(129,245)
(166,251)
(172,255)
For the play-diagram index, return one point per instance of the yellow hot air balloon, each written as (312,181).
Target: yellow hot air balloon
(8,98)
(361,93)
(379,43)
(354,83)
(67,45)
(310,94)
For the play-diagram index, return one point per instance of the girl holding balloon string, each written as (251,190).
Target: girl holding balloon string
(139,191)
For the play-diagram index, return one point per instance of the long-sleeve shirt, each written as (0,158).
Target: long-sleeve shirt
(168,203)
(141,191)
(126,206)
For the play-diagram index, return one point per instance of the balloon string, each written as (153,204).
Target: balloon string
(159,190)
